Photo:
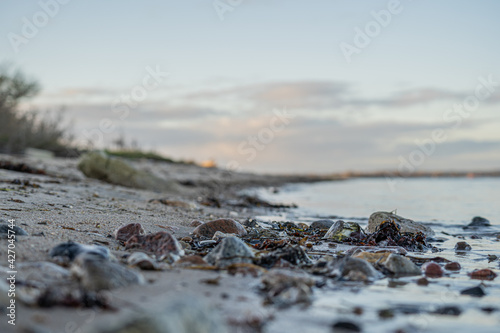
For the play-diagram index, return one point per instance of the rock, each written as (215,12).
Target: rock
(478,222)
(284,287)
(462,247)
(342,230)
(431,269)
(294,255)
(371,257)
(190,261)
(143,261)
(162,244)
(345,327)
(196,223)
(127,231)
(355,269)
(423,282)
(322,224)
(6,230)
(400,265)
(70,250)
(186,314)
(230,250)
(96,273)
(483,274)
(405,224)
(117,171)
(220,235)
(448,310)
(474,291)
(42,273)
(453,266)
(227,226)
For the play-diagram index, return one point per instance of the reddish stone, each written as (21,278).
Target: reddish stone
(432,269)
(483,274)
(227,226)
(125,232)
(162,244)
(193,260)
(453,266)
(462,247)
(422,282)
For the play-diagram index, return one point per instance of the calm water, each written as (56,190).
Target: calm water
(444,200)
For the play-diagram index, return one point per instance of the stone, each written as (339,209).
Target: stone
(182,314)
(191,261)
(96,273)
(293,255)
(41,273)
(196,223)
(405,224)
(450,310)
(371,257)
(483,274)
(477,291)
(355,269)
(70,250)
(432,269)
(284,288)
(220,235)
(118,171)
(401,265)
(143,261)
(322,224)
(230,250)
(478,222)
(453,266)
(124,233)
(462,247)
(227,226)
(341,230)
(345,327)
(162,244)
(6,230)
(423,282)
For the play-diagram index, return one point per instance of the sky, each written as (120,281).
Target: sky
(270,86)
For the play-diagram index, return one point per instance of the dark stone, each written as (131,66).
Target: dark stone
(15,230)
(293,254)
(462,247)
(483,274)
(345,326)
(448,311)
(227,226)
(479,221)
(162,244)
(322,224)
(431,269)
(124,233)
(423,282)
(71,250)
(477,291)
(453,266)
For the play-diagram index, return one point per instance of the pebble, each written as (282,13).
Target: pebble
(477,291)
(341,230)
(355,269)
(423,282)
(483,274)
(162,244)
(124,233)
(431,269)
(230,250)
(220,235)
(5,227)
(453,266)
(284,287)
(96,273)
(196,223)
(227,226)
(448,310)
(293,255)
(322,224)
(405,224)
(70,250)
(193,260)
(345,327)
(462,247)
(479,221)
(143,261)
(400,265)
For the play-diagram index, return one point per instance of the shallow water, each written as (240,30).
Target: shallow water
(444,204)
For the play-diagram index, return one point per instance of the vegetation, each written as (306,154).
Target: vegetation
(137,154)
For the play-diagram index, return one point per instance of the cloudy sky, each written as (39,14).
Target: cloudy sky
(275,86)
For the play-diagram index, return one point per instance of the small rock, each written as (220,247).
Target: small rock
(189,261)
(162,244)
(386,313)
(227,226)
(220,235)
(70,250)
(143,261)
(124,233)
(400,265)
(431,269)
(483,274)
(462,247)
(355,269)
(294,255)
(231,250)
(196,223)
(345,327)
(448,311)
(474,291)
(322,224)
(284,287)
(478,222)
(371,257)
(423,282)
(96,273)
(342,230)
(406,225)
(453,266)
(15,230)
